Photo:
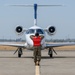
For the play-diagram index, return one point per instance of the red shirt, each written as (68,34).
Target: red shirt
(37,41)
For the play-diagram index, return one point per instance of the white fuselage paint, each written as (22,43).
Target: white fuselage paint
(29,42)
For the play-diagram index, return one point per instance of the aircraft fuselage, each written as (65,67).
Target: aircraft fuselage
(31,31)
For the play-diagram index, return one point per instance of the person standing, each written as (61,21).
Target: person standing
(37,46)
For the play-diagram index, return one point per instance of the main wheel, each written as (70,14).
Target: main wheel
(50,53)
(19,53)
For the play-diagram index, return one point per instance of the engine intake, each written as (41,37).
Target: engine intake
(19,29)
(51,30)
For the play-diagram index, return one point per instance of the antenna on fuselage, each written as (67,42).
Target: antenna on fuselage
(35,9)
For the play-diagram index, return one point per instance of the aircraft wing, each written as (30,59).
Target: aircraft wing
(12,44)
(59,44)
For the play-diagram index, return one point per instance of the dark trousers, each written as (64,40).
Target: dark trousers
(37,53)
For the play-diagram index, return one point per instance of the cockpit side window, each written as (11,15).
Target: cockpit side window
(30,31)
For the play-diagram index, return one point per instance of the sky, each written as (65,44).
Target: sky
(63,18)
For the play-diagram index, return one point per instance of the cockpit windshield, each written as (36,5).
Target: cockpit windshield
(39,31)
(33,31)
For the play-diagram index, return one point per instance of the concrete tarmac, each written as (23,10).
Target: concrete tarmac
(61,64)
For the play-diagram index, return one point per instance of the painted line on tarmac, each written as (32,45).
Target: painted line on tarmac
(37,70)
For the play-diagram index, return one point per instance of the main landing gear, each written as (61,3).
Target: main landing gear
(19,50)
(37,56)
(50,52)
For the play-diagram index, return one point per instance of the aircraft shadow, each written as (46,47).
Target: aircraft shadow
(43,57)
(15,57)
(57,57)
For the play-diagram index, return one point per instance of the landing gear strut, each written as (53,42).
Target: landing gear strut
(19,50)
(37,56)
(50,52)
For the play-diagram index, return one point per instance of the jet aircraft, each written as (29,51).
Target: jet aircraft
(29,44)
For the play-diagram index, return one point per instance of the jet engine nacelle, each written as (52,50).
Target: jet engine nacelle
(51,30)
(19,30)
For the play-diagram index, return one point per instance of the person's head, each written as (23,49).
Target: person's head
(36,34)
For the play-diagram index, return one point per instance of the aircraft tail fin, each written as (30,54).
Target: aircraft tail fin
(35,9)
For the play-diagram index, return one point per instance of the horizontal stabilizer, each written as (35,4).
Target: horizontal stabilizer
(22,5)
(37,5)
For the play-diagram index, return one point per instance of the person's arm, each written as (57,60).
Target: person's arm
(31,36)
(42,37)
